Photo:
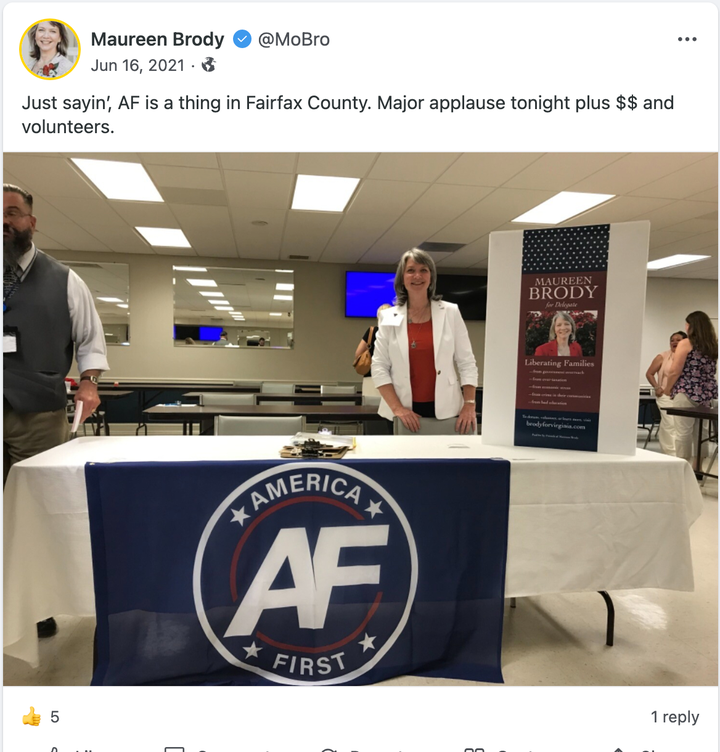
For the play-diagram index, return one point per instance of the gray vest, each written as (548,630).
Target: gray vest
(34,376)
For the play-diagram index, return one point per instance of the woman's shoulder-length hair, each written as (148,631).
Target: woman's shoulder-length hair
(63,44)
(419,257)
(567,317)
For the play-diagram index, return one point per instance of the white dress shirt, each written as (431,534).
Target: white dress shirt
(87,330)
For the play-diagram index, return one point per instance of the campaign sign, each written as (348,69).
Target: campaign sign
(560,344)
(299,572)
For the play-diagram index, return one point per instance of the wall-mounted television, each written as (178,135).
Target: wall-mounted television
(198,333)
(365,292)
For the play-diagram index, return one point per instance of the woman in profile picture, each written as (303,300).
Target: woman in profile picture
(49,43)
(562,338)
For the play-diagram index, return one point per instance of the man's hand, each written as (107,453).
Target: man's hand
(87,393)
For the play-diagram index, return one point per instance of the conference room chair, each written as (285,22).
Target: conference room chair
(648,419)
(277,387)
(235,425)
(340,427)
(225,398)
(428,427)
(372,400)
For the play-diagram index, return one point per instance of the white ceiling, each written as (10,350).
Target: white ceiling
(402,200)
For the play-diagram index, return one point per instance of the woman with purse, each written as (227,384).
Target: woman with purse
(363,356)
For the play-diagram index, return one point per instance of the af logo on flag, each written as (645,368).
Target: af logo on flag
(320,573)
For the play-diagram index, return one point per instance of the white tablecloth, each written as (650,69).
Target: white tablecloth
(578,521)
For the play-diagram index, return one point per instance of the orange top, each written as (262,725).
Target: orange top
(422,362)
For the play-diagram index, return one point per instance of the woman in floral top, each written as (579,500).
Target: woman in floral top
(48,47)
(691,378)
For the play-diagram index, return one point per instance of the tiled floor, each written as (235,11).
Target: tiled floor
(661,637)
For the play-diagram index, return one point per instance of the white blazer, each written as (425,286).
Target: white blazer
(451,343)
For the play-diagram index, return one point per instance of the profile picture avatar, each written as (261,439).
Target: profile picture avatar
(49,49)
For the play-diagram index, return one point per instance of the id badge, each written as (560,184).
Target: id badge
(10,342)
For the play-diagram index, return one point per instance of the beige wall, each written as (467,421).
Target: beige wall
(325,340)
(667,304)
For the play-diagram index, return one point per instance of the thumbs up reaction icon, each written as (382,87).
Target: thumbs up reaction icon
(32,718)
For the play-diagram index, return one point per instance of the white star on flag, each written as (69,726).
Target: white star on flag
(367,643)
(239,516)
(252,651)
(374,508)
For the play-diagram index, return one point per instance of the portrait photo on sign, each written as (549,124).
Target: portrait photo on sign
(49,49)
(572,331)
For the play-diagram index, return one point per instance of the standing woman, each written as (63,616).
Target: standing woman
(420,342)
(659,368)
(48,47)
(691,377)
(368,343)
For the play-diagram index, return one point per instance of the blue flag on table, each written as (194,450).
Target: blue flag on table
(298,572)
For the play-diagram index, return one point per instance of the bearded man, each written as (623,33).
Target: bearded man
(47,311)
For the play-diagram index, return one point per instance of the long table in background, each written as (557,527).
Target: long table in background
(148,392)
(205,415)
(303,398)
(578,521)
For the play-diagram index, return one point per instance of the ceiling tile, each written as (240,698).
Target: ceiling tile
(260,162)
(409,167)
(207,228)
(258,242)
(491,170)
(499,207)
(353,237)
(338,165)
(307,233)
(685,182)
(50,176)
(186,177)
(145,214)
(385,197)
(633,171)
(181,160)
(261,190)
(559,171)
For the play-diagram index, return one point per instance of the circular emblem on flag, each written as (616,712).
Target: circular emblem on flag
(306,574)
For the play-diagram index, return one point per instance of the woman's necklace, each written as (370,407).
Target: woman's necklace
(421,315)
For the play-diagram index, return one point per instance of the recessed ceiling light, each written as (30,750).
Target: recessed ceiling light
(219,302)
(284,271)
(679,259)
(319,193)
(276,314)
(212,294)
(202,283)
(111,300)
(561,207)
(123,305)
(189,268)
(224,308)
(282,297)
(283,286)
(124,181)
(164,237)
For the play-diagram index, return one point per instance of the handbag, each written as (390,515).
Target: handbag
(362,363)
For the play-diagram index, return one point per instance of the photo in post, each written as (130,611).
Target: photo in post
(236,233)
